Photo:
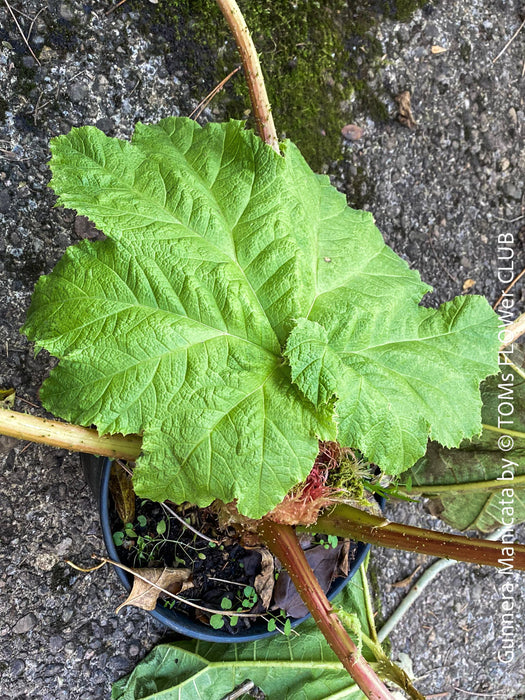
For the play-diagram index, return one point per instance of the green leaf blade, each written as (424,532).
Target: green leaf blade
(220,254)
(297,667)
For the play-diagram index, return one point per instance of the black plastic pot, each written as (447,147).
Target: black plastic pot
(97,471)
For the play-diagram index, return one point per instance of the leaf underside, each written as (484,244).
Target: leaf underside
(238,312)
(300,667)
(482,460)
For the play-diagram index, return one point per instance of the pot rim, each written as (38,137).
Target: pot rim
(176,621)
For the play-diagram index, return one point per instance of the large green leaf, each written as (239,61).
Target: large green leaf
(299,667)
(174,327)
(482,486)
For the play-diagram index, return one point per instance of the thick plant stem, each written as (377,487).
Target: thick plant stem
(252,71)
(346,521)
(71,437)
(282,541)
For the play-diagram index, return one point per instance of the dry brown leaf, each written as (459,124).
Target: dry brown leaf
(343,563)
(438,49)
(408,580)
(468,284)
(324,564)
(121,489)
(145,594)
(405,110)
(265,581)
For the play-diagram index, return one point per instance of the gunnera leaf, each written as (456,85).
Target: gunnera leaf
(174,327)
(481,485)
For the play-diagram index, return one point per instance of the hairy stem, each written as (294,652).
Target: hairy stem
(282,541)
(71,437)
(252,71)
(346,521)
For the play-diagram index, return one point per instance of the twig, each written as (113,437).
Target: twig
(125,467)
(186,601)
(481,695)
(252,71)
(240,691)
(199,109)
(26,42)
(516,279)
(187,525)
(513,331)
(112,9)
(34,20)
(510,221)
(509,42)
(427,577)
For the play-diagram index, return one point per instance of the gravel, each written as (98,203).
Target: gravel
(441,193)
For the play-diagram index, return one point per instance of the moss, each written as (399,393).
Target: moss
(404,9)
(316,57)
(61,35)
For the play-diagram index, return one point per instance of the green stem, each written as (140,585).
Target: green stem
(503,431)
(70,437)
(282,542)
(417,589)
(436,489)
(346,521)
(513,331)
(368,602)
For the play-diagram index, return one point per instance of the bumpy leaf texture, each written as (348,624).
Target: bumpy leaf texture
(238,312)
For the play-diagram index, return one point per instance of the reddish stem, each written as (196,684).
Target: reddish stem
(282,541)
(346,521)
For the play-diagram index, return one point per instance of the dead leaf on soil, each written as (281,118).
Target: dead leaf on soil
(265,581)
(324,563)
(468,284)
(145,594)
(405,116)
(7,398)
(121,489)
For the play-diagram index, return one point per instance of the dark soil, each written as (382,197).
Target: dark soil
(179,547)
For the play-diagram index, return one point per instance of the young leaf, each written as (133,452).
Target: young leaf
(216,621)
(218,248)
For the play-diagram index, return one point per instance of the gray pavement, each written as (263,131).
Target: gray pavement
(441,193)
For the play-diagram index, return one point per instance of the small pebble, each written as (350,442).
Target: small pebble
(25,624)
(352,132)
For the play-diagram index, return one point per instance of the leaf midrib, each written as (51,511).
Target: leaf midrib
(130,188)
